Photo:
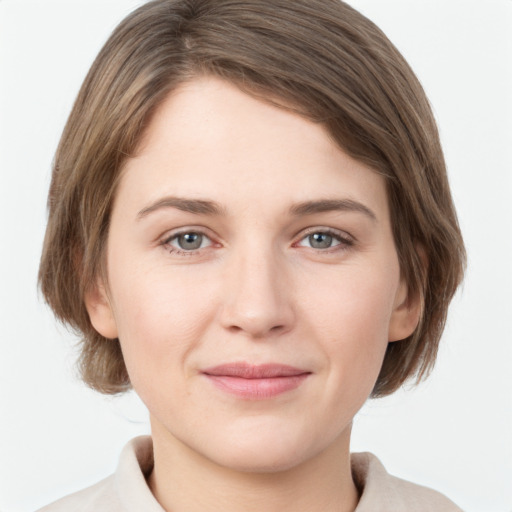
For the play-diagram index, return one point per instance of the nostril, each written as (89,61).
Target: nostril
(257,331)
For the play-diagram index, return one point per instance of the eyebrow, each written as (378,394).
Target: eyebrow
(330,205)
(205,207)
(197,206)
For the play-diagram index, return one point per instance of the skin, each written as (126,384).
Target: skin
(259,289)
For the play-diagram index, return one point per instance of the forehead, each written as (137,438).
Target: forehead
(209,138)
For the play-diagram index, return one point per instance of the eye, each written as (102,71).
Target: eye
(325,239)
(321,240)
(187,241)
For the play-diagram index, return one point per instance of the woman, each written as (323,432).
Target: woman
(250,223)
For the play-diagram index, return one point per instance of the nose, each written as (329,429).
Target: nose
(257,295)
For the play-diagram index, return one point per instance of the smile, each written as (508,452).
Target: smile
(255,382)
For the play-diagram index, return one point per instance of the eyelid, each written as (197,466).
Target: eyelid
(169,236)
(345,239)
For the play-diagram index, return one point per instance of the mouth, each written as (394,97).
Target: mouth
(255,382)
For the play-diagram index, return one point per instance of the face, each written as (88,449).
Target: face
(253,280)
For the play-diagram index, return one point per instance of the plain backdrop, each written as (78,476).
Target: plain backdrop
(452,433)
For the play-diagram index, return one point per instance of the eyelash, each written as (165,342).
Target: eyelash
(166,242)
(345,241)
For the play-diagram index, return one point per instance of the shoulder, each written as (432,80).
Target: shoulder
(382,492)
(99,497)
(124,491)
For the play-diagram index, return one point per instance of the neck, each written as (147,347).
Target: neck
(183,480)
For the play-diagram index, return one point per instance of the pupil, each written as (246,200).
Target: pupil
(190,241)
(320,240)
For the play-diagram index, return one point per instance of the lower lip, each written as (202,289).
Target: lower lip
(257,389)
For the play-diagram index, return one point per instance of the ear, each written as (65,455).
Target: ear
(100,310)
(406,313)
(408,306)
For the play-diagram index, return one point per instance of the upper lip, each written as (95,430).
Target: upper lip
(251,371)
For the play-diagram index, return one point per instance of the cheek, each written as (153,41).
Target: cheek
(355,301)
(353,320)
(159,319)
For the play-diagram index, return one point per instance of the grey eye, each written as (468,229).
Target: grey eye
(189,241)
(320,240)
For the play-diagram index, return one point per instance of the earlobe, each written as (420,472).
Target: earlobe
(100,311)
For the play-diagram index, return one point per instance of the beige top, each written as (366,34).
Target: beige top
(127,491)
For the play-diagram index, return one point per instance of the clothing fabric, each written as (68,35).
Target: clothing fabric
(127,490)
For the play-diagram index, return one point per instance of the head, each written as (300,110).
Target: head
(318,59)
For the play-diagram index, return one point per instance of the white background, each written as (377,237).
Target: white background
(453,433)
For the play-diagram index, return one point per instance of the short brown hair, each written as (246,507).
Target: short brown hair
(319,58)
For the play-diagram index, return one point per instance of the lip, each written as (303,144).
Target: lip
(255,382)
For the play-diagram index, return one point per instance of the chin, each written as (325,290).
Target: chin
(263,450)
(261,460)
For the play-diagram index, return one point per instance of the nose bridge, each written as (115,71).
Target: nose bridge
(257,297)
